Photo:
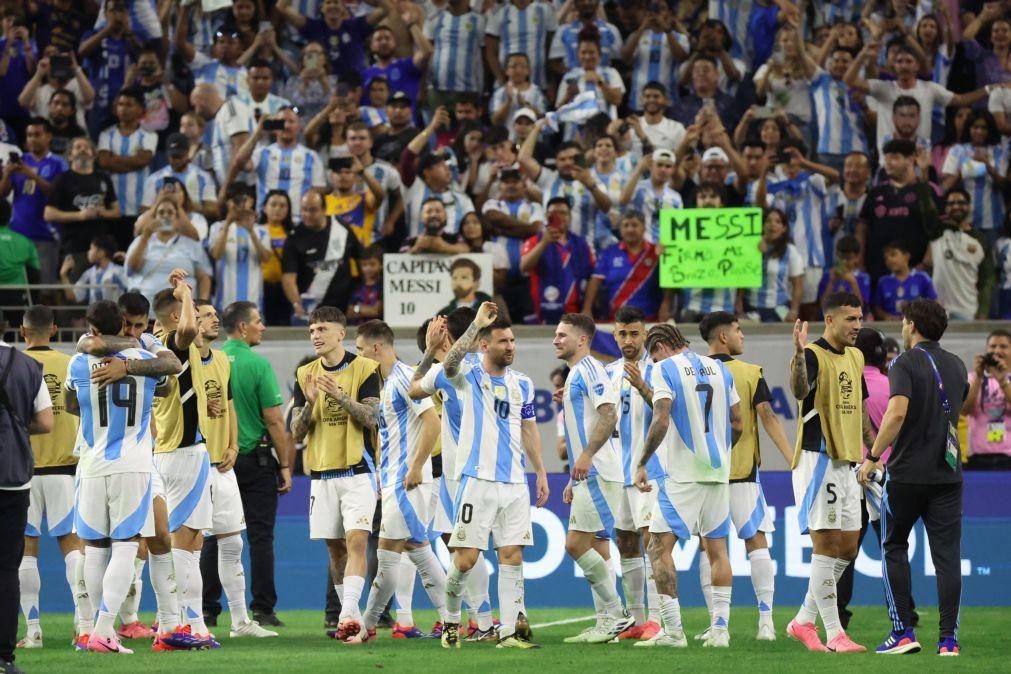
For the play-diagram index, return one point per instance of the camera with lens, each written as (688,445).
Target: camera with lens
(990,361)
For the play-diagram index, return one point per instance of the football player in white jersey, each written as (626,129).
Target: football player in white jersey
(114,492)
(408,430)
(591,417)
(630,375)
(695,496)
(497,426)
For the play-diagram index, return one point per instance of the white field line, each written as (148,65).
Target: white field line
(567,621)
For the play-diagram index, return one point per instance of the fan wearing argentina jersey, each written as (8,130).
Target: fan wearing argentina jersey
(696,416)
(408,430)
(749,512)
(827,378)
(126,150)
(520,27)
(591,417)
(114,489)
(497,427)
(630,375)
(239,247)
(430,380)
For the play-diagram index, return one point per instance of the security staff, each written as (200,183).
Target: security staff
(927,387)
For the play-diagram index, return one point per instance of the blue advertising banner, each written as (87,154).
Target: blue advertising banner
(553,580)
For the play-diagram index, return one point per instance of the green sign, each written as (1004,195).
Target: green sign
(710,248)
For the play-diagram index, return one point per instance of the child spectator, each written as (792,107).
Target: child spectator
(846,276)
(782,273)
(367,298)
(103,280)
(901,285)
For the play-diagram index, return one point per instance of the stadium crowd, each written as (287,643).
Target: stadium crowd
(277,150)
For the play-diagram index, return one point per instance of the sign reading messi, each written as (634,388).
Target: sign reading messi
(710,248)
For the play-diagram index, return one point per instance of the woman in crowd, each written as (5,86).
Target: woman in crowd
(782,273)
(163,245)
(311,88)
(276,217)
(980,163)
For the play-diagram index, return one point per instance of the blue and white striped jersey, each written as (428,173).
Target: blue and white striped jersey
(457,204)
(238,274)
(524,31)
(435,382)
(803,200)
(1002,253)
(702,392)
(492,412)
(707,300)
(523,210)
(229,80)
(565,44)
(129,186)
(987,202)
(840,123)
(735,15)
(646,200)
(457,61)
(588,387)
(268,106)
(387,176)
(115,431)
(400,427)
(634,418)
(232,118)
(198,183)
(654,62)
(294,170)
(533,97)
(776,274)
(112,279)
(552,185)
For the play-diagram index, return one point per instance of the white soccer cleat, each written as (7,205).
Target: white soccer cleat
(579,638)
(664,640)
(31,640)
(610,629)
(718,638)
(766,631)
(704,635)
(250,628)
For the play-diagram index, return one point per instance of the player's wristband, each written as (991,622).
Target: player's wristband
(872,458)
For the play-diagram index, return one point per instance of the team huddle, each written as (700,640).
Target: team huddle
(662,444)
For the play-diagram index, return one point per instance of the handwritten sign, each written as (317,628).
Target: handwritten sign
(415,287)
(710,248)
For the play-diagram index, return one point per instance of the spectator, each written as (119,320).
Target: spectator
(649,196)
(346,35)
(19,261)
(161,98)
(325,132)
(222,69)
(838,116)
(980,164)
(962,265)
(520,27)
(239,247)
(654,127)
(559,262)
(367,298)
(391,145)
(696,302)
(276,217)
(934,34)
(465,281)
(433,178)
(779,297)
(18,56)
(902,284)
(564,52)
(259,100)
(785,80)
(317,264)
(1002,256)
(108,53)
(705,94)
(433,237)
(359,144)
(457,36)
(63,121)
(591,75)
(69,76)
(403,74)
(230,124)
(30,176)
(82,202)
(653,50)
(514,218)
(988,63)
(626,274)
(986,405)
(163,246)
(476,169)
(103,280)
(192,224)
(517,92)
(846,200)
(312,86)
(193,126)
(373,113)
(197,183)
(845,276)
(356,209)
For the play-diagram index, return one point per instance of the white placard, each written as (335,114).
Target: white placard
(415,287)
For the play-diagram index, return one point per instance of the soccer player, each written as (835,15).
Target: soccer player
(827,377)
(591,416)
(695,496)
(219,424)
(748,510)
(336,414)
(408,430)
(52,486)
(430,379)
(114,492)
(630,375)
(497,425)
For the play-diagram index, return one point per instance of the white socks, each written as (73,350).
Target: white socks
(652,595)
(95,561)
(822,589)
(839,567)
(82,601)
(70,572)
(476,593)
(510,597)
(405,591)
(163,580)
(670,613)
(433,577)
(386,580)
(191,588)
(601,578)
(128,612)
(456,581)
(31,585)
(115,585)
(353,586)
(233,577)
(721,607)
(706,580)
(633,582)
(763,579)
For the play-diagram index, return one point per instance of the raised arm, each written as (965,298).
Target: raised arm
(799,383)
(525,156)
(486,315)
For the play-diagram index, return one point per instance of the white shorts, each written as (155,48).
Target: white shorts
(748,510)
(636,508)
(114,506)
(405,513)
(812,279)
(687,509)
(826,492)
(340,504)
(226,504)
(594,503)
(442,511)
(186,474)
(500,509)
(52,496)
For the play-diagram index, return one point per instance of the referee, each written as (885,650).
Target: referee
(927,386)
(263,467)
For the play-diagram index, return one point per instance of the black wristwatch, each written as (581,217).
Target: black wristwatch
(872,458)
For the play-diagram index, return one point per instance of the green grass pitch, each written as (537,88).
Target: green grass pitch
(303,647)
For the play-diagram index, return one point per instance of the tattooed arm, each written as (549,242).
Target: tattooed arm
(365,412)
(607,419)
(301,420)
(164,363)
(106,345)
(486,315)
(435,339)
(657,429)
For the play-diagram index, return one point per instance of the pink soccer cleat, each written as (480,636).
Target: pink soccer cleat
(97,644)
(807,634)
(135,630)
(843,644)
(633,632)
(649,630)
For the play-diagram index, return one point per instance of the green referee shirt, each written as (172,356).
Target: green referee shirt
(254,388)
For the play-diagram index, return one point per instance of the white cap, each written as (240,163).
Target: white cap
(715,154)
(663,155)
(525,112)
